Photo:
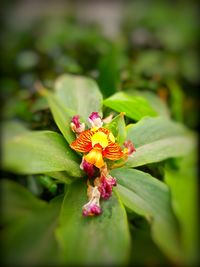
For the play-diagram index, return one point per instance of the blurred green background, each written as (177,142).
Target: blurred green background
(143,45)
(138,44)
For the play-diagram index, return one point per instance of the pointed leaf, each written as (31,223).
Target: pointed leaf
(79,94)
(28,226)
(149,197)
(157,139)
(62,115)
(156,103)
(135,107)
(38,152)
(101,240)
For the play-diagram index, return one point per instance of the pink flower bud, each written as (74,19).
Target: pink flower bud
(76,126)
(91,210)
(105,190)
(111,180)
(106,185)
(87,167)
(95,120)
(129,147)
(92,207)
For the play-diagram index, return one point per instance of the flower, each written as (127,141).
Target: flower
(105,183)
(129,147)
(93,206)
(76,126)
(99,143)
(95,120)
(87,167)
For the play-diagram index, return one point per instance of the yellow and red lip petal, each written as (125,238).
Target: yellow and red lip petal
(95,157)
(113,152)
(83,143)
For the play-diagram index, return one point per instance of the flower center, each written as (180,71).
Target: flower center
(100,138)
(95,157)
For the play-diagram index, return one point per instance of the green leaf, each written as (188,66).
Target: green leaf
(62,116)
(12,129)
(184,187)
(149,197)
(118,127)
(156,103)
(38,152)
(135,107)
(28,226)
(157,139)
(101,240)
(79,94)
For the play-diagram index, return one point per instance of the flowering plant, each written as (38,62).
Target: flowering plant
(109,153)
(99,143)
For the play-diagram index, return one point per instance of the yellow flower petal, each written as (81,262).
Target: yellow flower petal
(95,157)
(100,138)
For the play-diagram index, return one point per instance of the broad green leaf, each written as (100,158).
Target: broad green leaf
(118,127)
(149,197)
(79,94)
(62,116)
(183,184)
(157,139)
(135,107)
(101,240)
(28,226)
(38,152)
(156,103)
(13,128)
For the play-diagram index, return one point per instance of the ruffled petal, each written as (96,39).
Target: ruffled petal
(83,143)
(95,157)
(87,167)
(93,206)
(113,152)
(76,126)
(95,120)
(129,147)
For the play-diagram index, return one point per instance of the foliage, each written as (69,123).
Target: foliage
(62,69)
